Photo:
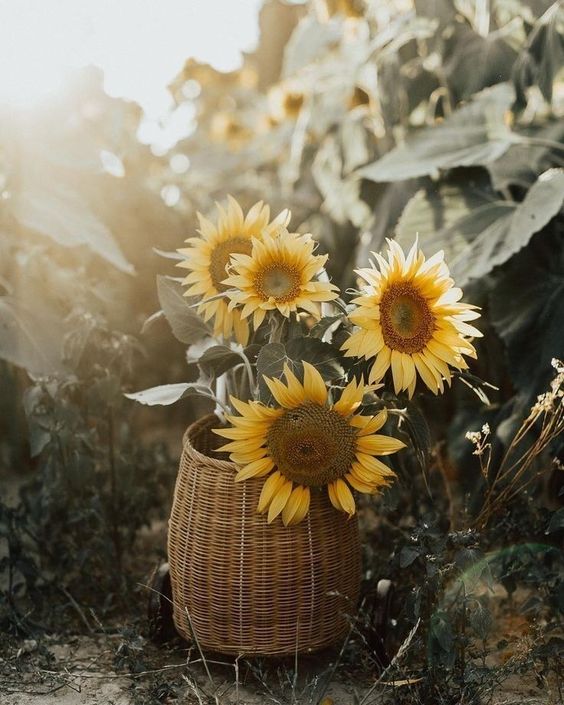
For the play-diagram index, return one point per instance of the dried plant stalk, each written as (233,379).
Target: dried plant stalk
(546,420)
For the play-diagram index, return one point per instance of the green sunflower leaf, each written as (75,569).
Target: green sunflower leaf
(187,325)
(166,394)
(218,359)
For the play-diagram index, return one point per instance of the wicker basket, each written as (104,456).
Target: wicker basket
(241,585)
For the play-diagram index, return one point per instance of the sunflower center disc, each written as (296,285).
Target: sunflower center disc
(406,319)
(312,445)
(219,258)
(293,103)
(280,282)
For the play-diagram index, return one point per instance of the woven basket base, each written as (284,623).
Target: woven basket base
(244,586)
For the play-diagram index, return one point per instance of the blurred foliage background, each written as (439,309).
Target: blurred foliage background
(441,118)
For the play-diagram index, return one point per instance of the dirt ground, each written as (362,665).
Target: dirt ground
(87,671)
(119,666)
(108,669)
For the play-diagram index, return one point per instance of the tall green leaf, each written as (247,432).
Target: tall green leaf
(187,325)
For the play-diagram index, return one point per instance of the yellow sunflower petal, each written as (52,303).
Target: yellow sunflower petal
(368,477)
(271,486)
(369,424)
(303,508)
(279,500)
(295,388)
(443,352)
(235,434)
(345,497)
(408,367)
(397,370)
(359,485)
(333,498)
(293,506)
(425,373)
(242,458)
(314,386)
(381,365)
(374,465)
(257,468)
(350,399)
(377,444)
(245,445)
(281,393)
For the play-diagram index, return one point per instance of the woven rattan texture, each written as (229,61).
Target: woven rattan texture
(244,586)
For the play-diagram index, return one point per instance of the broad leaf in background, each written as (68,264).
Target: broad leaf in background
(48,207)
(187,325)
(439,217)
(513,230)
(31,339)
(270,363)
(323,356)
(556,521)
(57,159)
(473,62)
(476,232)
(388,202)
(474,134)
(408,554)
(38,422)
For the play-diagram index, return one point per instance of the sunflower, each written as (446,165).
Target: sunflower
(306,443)
(278,275)
(286,100)
(226,128)
(208,256)
(410,319)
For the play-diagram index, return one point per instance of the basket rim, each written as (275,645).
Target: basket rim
(188,447)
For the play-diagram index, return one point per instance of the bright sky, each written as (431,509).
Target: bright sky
(140,44)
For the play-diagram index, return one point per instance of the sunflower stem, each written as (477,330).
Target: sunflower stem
(249,371)
(276,327)
(221,396)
